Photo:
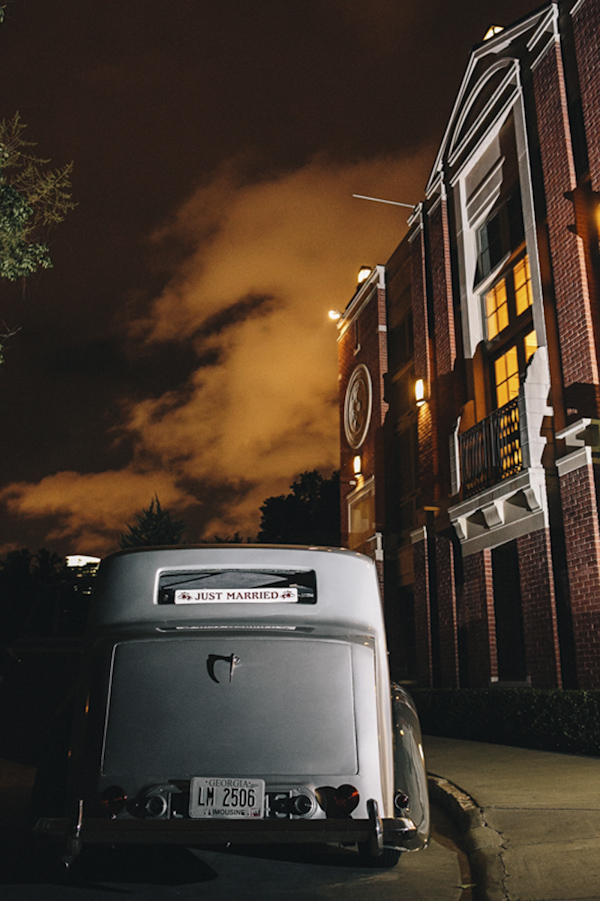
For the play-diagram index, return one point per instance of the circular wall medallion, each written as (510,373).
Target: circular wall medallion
(357,406)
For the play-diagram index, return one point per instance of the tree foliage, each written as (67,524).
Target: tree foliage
(153,527)
(309,514)
(33,199)
(40,596)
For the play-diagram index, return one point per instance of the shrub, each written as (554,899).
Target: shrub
(543,719)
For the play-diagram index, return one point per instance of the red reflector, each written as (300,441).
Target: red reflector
(338,802)
(113,800)
(346,799)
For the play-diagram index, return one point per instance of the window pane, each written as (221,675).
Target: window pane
(515,220)
(362,520)
(531,345)
(507,376)
(522,277)
(490,246)
(496,309)
(502,395)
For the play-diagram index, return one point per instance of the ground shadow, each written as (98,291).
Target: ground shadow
(32,861)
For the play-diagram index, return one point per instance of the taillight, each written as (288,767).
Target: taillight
(338,802)
(112,800)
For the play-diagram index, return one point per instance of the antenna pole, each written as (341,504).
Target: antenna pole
(410,206)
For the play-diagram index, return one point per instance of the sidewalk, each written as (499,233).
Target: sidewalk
(531,818)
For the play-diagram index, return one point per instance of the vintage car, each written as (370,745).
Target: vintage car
(237,694)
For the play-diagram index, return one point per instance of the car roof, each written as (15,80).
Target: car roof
(347,590)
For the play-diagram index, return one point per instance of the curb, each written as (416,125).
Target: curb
(482,844)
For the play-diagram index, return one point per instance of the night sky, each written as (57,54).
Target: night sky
(180,346)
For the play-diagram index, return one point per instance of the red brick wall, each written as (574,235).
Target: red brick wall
(443,408)
(422,614)
(586,29)
(479,619)
(419,305)
(539,609)
(428,455)
(566,249)
(441,282)
(582,540)
(448,625)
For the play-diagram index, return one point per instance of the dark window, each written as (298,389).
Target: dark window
(236,581)
(501,234)
(510,637)
(490,246)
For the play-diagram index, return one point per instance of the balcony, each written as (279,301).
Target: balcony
(498,474)
(491,451)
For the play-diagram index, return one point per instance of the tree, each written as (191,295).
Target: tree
(31,598)
(153,527)
(309,514)
(33,199)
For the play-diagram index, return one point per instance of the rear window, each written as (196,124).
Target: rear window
(237,586)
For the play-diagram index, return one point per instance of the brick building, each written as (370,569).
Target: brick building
(469,378)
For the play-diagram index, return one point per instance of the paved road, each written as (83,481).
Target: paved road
(318,872)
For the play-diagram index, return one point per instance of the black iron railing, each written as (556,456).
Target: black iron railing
(491,450)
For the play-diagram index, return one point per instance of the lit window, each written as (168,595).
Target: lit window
(496,309)
(531,345)
(492,31)
(522,277)
(507,376)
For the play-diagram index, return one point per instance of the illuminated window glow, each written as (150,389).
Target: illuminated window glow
(496,309)
(506,370)
(492,31)
(523,293)
(531,345)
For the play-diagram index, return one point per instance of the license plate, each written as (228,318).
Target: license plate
(223,797)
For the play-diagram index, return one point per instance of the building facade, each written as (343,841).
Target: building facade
(469,378)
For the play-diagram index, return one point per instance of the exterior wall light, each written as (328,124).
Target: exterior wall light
(363,274)
(357,465)
(492,31)
(335,315)
(420,392)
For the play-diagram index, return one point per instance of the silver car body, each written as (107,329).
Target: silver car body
(251,668)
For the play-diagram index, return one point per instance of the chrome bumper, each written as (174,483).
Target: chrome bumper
(400,832)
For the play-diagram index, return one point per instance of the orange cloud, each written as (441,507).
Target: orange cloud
(268,261)
(92,507)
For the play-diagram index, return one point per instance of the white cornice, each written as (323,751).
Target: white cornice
(511,78)
(545,37)
(375,281)
(492,47)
